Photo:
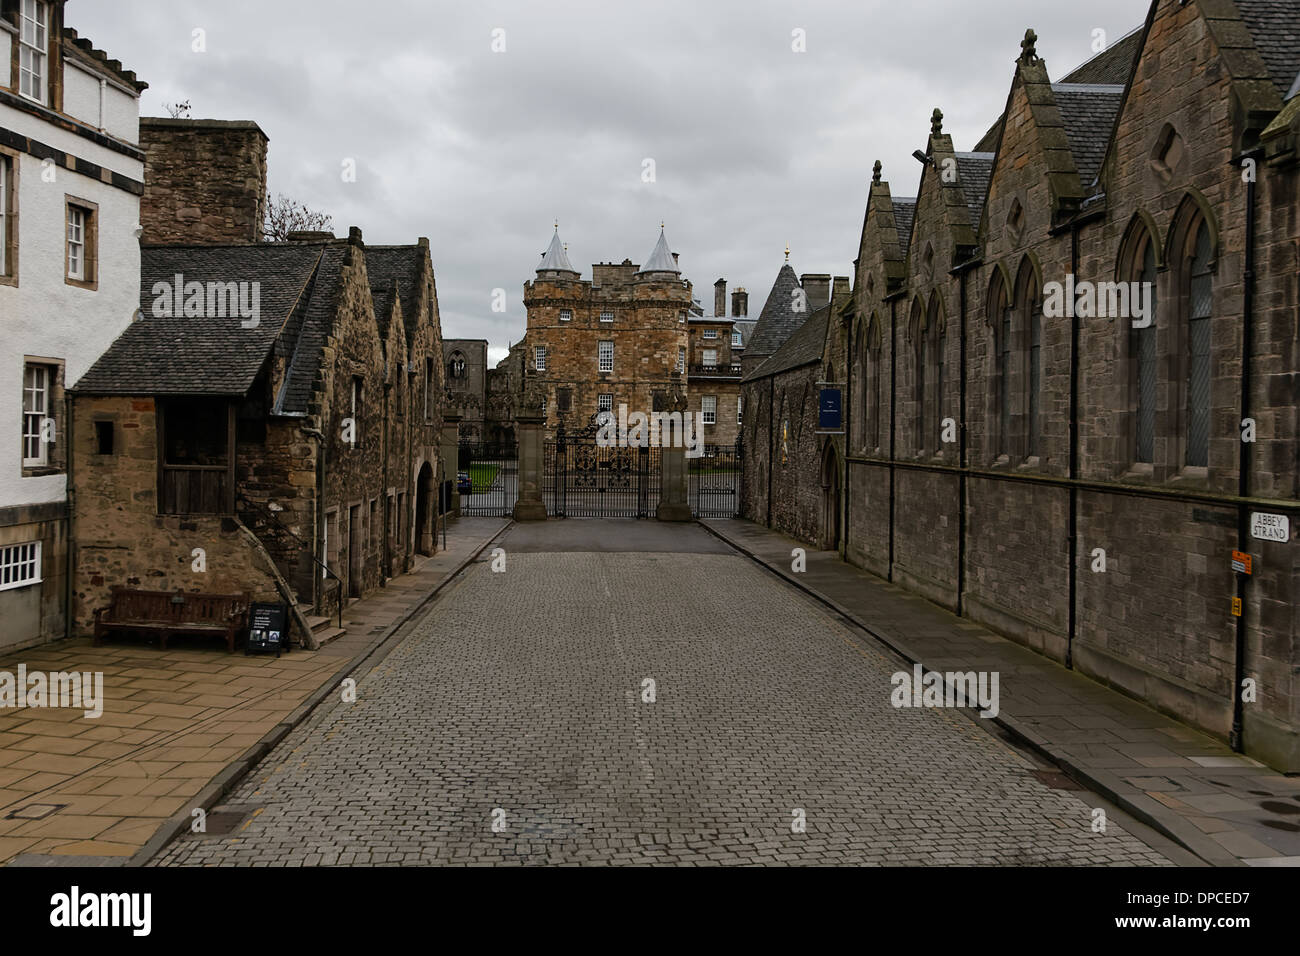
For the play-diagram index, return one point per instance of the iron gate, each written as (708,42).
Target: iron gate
(488,478)
(714,482)
(585,479)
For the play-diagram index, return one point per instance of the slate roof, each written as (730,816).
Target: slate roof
(1114,65)
(661,260)
(176,355)
(974,171)
(1088,112)
(802,348)
(1274,26)
(904,213)
(778,320)
(317,322)
(555,259)
(389,269)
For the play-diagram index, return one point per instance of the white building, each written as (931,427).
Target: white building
(71,175)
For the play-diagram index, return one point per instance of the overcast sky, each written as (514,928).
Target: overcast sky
(754,145)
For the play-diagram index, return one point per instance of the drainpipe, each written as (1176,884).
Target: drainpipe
(771,435)
(1243,466)
(318,592)
(1072,534)
(893,403)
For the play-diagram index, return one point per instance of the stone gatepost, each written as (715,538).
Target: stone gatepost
(674,504)
(531,419)
(449,452)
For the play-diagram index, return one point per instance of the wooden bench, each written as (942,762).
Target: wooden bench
(167,613)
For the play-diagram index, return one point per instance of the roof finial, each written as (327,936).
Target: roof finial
(661,223)
(875,172)
(787,252)
(936,122)
(1029,47)
(557,225)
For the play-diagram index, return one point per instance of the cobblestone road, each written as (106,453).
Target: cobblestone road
(519,702)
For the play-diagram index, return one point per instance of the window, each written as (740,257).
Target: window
(605,402)
(1198,351)
(606,357)
(103,438)
(736,340)
(20,565)
(710,333)
(1035,318)
(681,360)
(740,410)
(563,399)
(710,358)
(1142,345)
(709,406)
(936,348)
(566,315)
(356,410)
(607,316)
(38,382)
(539,358)
(8,232)
(1002,314)
(33,49)
(81,243)
(331,543)
(681,316)
(920,419)
(456,366)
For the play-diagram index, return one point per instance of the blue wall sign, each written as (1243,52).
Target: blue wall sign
(830,415)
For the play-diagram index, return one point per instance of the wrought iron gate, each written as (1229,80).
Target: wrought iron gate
(488,478)
(585,479)
(714,479)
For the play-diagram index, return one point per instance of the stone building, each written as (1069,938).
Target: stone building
(465,367)
(1037,444)
(71,172)
(271,424)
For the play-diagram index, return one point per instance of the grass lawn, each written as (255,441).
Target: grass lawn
(482,475)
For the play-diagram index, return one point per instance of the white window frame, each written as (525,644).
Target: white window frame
(40,388)
(6,179)
(539,358)
(709,409)
(20,565)
(736,340)
(705,359)
(605,356)
(77,221)
(605,402)
(607,316)
(681,360)
(710,333)
(566,315)
(740,409)
(34,50)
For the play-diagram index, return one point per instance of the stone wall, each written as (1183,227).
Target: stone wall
(225,203)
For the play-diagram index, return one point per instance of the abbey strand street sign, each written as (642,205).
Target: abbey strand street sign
(1270,527)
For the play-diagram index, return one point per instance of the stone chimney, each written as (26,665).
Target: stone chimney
(740,303)
(720,297)
(204,181)
(818,288)
(840,287)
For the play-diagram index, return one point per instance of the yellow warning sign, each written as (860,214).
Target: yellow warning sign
(1236,607)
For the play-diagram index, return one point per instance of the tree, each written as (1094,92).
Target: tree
(178,110)
(285,215)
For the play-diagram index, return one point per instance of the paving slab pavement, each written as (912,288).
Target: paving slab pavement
(177,725)
(1225,807)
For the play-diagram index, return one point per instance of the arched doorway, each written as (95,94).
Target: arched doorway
(425,498)
(831,498)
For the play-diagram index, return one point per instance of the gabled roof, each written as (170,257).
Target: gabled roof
(778,320)
(1088,112)
(317,323)
(1113,65)
(180,355)
(394,270)
(555,259)
(974,171)
(661,260)
(804,347)
(1274,27)
(904,214)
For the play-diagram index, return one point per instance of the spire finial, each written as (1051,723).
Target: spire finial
(787,252)
(1029,47)
(936,122)
(661,224)
(875,172)
(557,225)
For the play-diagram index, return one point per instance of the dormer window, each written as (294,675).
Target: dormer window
(33,47)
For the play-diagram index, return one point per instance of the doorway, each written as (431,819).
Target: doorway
(424,496)
(356,553)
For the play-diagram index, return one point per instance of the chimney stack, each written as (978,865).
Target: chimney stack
(818,288)
(720,297)
(740,303)
(840,286)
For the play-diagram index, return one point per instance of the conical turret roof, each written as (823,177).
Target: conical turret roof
(661,260)
(555,259)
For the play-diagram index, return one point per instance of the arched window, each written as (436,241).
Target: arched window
(936,334)
(456,366)
(920,417)
(999,319)
(1141,268)
(877,396)
(1198,349)
(861,386)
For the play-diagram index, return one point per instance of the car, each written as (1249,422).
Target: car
(463,484)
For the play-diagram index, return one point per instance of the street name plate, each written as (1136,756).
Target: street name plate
(1270,527)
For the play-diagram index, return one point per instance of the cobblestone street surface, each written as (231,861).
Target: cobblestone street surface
(518,702)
